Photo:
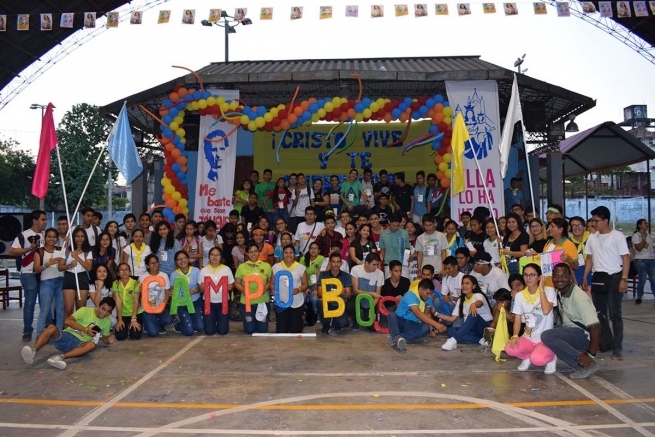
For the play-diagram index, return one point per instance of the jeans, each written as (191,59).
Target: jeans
(566,343)
(278,213)
(335,323)
(313,298)
(290,321)
(612,301)
(471,330)
(408,329)
(31,292)
(250,322)
(513,267)
(645,267)
(122,334)
(216,321)
(49,292)
(190,323)
(155,322)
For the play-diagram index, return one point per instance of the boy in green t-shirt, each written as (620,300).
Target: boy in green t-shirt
(253,266)
(351,191)
(82,332)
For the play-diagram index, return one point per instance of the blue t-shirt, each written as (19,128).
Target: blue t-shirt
(408,300)
(335,199)
(167,257)
(278,252)
(513,197)
(343,277)
(193,282)
(420,200)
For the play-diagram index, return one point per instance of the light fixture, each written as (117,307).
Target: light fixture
(229,28)
(572,126)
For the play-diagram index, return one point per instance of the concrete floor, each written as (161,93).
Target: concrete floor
(339,385)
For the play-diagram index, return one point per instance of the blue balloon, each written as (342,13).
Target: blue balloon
(167,103)
(181,106)
(438,98)
(261,110)
(320,103)
(366,101)
(173,112)
(197,95)
(430,103)
(185,154)
(307,115)
(433,128)
(167,133)
(408,101)
(313,107)
(206,94)
(167,119)
(179,174)
(423,110)
(436,143)
(446,104)
(395,113)
(402,107)
(416,115)
(359,107)
(176,167)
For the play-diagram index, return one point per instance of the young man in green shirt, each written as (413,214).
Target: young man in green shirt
(262,189)
(351,191)
(82,332)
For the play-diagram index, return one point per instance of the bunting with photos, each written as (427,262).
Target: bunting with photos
(112,19)
(352,11)
(164,17)
(652,6)
(605,9)
(66,20)
(240,14)
(214,15)
(325,13)
(23,22)
(296,12)
(421,10)
(441,8)
(377,11)
(90,20)
(640,9)
(623,10)
(588,7)
(511,9)
(3,23)
(189,16)
(136,17)
(463,9)
(46,22)
(266,13)
(540,8)
(563,9)
(401,10)
(489,8)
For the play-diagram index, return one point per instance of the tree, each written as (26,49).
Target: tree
(16,173)
(81,135)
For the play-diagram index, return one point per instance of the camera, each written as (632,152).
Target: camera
(34,239)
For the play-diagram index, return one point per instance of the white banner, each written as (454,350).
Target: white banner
(478,103)
(216,163)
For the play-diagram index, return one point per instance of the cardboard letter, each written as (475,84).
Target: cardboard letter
(247,282)
(332,296)
(145,303)
(181,284)
(358,310)
(221,287)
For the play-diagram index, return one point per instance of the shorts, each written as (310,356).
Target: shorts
(69,281)
(66,342)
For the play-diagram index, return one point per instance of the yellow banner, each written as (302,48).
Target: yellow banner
(304,149)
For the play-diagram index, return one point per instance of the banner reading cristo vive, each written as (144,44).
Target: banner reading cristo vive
(216,162)
(304,149)
(478,103)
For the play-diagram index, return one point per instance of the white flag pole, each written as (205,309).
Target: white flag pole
(70,228)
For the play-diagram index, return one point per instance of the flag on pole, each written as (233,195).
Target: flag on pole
(122,148)
(514,114)
(47,143)
(459,139)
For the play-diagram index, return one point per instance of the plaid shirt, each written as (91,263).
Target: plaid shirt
(325,241)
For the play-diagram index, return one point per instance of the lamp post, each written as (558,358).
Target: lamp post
(43,108)
(229,28)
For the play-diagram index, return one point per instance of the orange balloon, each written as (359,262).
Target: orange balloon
(165,141)
(166,197)
(344,116)
(183,168)
(445,182)
(431,113)
(438,159)
(170,147)
(311,100)
(176,153)
(437,118)
(181,160)
(292,118)
(297,110)
(450,149)
(182,92)
(284,124)
(277,128)
(174,97)
(304,105)
(351,112)
(438,107)
(163,112)
(388,117)
(177,210)
(408,111)
(404,117)
(171,203)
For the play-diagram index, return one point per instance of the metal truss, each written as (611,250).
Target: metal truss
(69,45)
(613,28)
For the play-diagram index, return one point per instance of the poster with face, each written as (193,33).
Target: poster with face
(510,9)
(352,11)
(563,9)
(421,10)
(240,14)
(90,20)
(441,8)
(112,19)
(640,9)
(489,8)
(3,23)
(46,21)
(605,9)
(401,10)
(463,9)
(623,10)
(296,12)
(164,17)
(652,7)
(325,12)
(266,14)
(214,15)
(23,22)
(136,17)
(377,11)
(540,8)
(189,16)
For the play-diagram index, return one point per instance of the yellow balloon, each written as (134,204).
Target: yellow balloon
(202,103)
(234,105)
(448,120)
(359,117)
(448,111)
(165,182)
(224,107)
(274,111)
(252,126)
(329,107)
(315,117)
(183,203)
(181,114)
(244,119)
(446,173)
(189,106)
(176,196)
(268,117)
(443,166)
(321,113)
(367,113)
(336,101)
(446,158)
(380,102)
(183,140)
(174,126)
(178,120)
(169,189)
(195,106)
(374,107)
(220,100)
(211,101)
(259,122)
(185,210)
(180,132)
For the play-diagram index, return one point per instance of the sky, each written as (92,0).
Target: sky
(567,52)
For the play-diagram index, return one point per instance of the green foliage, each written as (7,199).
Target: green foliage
(118,203)
(16,173)
(81,135)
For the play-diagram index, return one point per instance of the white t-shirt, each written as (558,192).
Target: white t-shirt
(16,245)
(492,282)
(303,202)
(156,293)
(103,293)
(647,251)
(51,272)
(431,246)
(606,251)
(215,276)
(533,316)
(492,249)
(303,233)
(91,233)
(367,281)
(344,265)
(284,287)
(78,268)
(484,311)
(452,285)
(207,245)
(138,269)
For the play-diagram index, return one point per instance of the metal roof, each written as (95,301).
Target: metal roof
(270,83)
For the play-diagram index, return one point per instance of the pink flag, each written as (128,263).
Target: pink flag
(48,142)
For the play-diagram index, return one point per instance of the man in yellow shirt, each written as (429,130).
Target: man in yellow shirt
(82,332)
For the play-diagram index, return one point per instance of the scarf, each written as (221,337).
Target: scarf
(137,253)
(580,245)
(288,269)
(187,275)
(531,299)
(211,269)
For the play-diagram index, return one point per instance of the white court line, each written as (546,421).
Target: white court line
(616,413)
(93,414)
(525,415)
(619,393)
(524,430)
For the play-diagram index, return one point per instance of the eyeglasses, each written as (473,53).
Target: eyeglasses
(535,226)
(213,254)
(153,263)
(530,275)
(182,259)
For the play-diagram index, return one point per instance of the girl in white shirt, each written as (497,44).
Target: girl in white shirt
(135,254)
(100,288)
(290,320)
(76,263)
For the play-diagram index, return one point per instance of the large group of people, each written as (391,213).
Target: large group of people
(443,278)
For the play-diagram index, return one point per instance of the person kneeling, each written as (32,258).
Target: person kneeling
(82,332)
(412,319)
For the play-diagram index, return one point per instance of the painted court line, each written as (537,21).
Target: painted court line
(521,431)
(92,415)
(620,393)
(616,413)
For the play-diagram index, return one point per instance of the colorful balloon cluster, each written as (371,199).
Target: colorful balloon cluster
(290,116)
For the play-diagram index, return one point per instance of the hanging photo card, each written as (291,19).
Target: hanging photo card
(112,19)
(90,20)
(214,15)
(489,8)
(540,8)
(164,17)
(605,9)
(510,9)
(189,16)
(352,11)
(240,14)
(563,9)
(640,9)
(296,12)
(46,22)
(136,17)
(325,12)
(463,9)
(441,9)
(266,13)
(421,10)
(23,22)
(377,11)
(401,10)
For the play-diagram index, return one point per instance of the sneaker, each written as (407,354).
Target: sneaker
(325,330)
(484,342)
(391,341)
(176,326)
(27,336)
(162,331)
(586,373)
(525,365)
(638,301)
(551,367)
(355,327)
(28,354)
(450,344)
(401,343)
(57,361)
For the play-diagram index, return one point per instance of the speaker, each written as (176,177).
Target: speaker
(10,226)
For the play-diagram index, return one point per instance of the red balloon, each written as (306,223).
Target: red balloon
(388,106)
(336,113)
(176,181)
(381,113)
(422,100)
(446,142)
(448,134)
(415,106)
(443,127)
(351,103)
(170,174)
(345,107)
(268,126)
(167,167)
(183,190)
(276,121)
(282,114)
(442,150)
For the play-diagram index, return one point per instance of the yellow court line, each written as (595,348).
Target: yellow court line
(323,407)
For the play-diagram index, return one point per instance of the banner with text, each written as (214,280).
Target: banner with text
(478,103)
(216,162)
(309,149)
(547,261)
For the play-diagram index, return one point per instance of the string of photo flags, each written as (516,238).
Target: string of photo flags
(621,9)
